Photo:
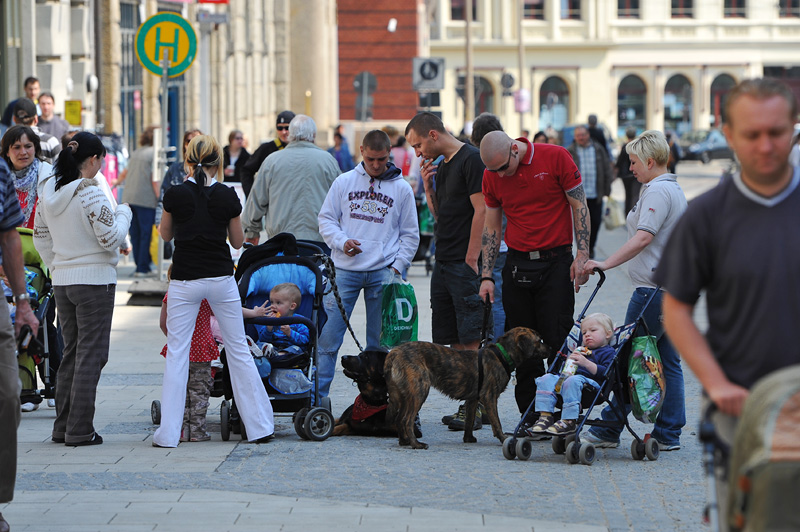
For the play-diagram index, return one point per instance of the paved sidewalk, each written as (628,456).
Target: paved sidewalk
(347,483)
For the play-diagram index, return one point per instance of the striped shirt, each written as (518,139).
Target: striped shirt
(10,213)
(588,167)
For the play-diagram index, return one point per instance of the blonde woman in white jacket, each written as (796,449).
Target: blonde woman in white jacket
(77,233)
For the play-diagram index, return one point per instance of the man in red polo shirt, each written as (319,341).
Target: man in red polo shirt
(541,194)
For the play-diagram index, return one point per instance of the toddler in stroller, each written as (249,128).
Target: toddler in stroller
(586,365)
(288,339)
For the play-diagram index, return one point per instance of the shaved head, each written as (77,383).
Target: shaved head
(495,145)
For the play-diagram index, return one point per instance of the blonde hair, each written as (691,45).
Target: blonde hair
(290,289)
(604,320)
(203,152)
(651,144)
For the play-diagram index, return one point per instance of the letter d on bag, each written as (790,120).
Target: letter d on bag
(405,310)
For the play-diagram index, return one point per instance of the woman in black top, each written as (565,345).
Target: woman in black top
(236,156)
(200,214)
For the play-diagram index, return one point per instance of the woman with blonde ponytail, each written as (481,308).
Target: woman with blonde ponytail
(200,215)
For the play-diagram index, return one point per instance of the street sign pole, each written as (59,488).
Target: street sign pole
(162,152)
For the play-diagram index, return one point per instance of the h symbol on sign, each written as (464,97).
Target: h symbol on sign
(161,44)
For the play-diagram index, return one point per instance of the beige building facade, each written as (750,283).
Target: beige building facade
(652,64)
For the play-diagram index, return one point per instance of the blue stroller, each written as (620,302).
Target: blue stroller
(518,445)
(291,382)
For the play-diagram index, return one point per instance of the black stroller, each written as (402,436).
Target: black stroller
(518,445)
(283,259)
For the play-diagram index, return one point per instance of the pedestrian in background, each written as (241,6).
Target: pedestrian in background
(254,161)
(25,115)
(141,193)
(176,172)
(202,216)
(32,89)
(633,187)
(48,121)
(21,149)
(11,260)
(235,157)
(341,153)
(738,244)
(77,234)
(591,158)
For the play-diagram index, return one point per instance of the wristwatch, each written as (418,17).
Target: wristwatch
(22,297)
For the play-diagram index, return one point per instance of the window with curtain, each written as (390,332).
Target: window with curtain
(570,9)
(682,8)
(735,9)
(458,9)
(533,10)
(628,9)
(789,8)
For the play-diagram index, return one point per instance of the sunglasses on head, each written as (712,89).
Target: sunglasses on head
(283,128)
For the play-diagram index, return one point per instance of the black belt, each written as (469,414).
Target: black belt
(542,254)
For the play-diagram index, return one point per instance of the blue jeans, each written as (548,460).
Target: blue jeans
(498,313)
(350,284)
(141,233)
(571,390)
(672,417)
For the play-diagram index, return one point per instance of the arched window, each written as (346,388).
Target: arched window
(554,104)
(720,88)
(484,93)
(631,105)
(678,104)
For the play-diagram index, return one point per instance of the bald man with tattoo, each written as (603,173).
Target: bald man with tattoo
(541,193)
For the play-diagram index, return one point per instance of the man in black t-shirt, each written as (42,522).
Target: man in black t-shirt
(738,243)
(453,188)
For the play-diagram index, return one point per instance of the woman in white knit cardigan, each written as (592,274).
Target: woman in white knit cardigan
(77,233)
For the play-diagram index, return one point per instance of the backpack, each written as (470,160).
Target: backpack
(764,470)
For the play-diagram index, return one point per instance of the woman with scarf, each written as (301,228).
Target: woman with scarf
(23,152)
(77,232)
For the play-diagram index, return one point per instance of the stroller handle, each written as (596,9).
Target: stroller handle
(602,275)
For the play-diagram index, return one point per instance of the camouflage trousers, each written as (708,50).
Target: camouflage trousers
(198,391)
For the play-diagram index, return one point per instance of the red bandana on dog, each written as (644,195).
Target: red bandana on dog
(362,410)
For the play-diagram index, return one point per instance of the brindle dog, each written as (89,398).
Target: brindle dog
(411,369)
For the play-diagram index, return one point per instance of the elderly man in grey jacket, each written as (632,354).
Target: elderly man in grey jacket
(290,187)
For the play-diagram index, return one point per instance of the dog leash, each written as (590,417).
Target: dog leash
(487,312)
(331,269)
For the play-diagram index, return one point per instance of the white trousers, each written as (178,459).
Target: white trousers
(183,305)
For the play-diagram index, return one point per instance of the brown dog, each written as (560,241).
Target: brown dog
(411,369)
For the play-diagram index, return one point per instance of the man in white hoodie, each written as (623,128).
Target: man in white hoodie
(369,220)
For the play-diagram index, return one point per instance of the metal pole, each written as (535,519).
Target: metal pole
(469,82)
(364,95)
(205,79)
(521,58)
(162,152)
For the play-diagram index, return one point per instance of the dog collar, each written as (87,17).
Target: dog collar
(504,358)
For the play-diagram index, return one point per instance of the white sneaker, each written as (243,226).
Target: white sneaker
(51,403)
(29,407)
(588,437)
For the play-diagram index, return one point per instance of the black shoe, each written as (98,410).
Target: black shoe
(57,440)
(4,527)
(265,439)
(458,420)
(96,440)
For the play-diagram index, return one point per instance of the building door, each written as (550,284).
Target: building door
(678,105)
(553,105)
(720,88)
(631,105)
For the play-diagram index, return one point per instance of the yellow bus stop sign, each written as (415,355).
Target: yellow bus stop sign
(166,31)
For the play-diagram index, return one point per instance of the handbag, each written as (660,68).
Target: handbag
(646,379)
(399,313)
(613,213)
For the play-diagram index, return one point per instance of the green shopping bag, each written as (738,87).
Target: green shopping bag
(646,379)
(399,314)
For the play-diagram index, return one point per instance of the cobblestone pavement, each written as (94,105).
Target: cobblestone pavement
(616,492)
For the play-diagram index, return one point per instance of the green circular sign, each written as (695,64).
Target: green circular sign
(166,31)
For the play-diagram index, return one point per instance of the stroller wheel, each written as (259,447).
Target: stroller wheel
(155,412)
(586,453)
(637,449)
(318,424)
(559,445)
(225,421)
(523,449)
(298,420)
(651,450)
(573,449)
(509,451)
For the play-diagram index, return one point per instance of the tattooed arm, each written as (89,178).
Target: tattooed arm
(490,248)
(580,221)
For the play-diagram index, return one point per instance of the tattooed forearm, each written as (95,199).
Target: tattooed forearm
(490,247)
(433,204)
(580,217)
